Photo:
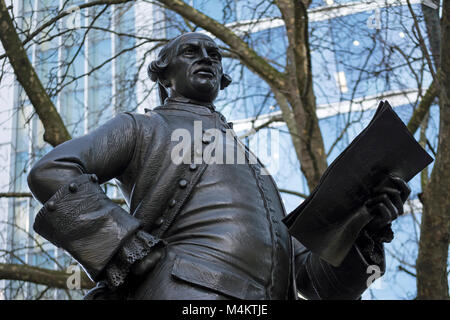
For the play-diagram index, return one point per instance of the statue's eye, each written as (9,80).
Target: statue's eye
(189,51)
(215,55)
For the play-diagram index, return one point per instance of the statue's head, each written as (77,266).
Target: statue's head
(189,66)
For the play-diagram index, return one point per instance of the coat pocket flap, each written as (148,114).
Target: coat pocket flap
(215,277)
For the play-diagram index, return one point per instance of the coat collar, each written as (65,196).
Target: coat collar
(186,104)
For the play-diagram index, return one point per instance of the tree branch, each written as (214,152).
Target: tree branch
(51,278)
(247,55)
(295,193)
(55,130)
(424,105)
(400,268)
(68,12)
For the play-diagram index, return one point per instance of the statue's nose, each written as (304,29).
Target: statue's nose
(204,55)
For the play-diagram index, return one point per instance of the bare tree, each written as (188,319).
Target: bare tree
(432,274)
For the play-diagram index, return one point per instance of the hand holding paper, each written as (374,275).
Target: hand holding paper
(329,220)
(385,206)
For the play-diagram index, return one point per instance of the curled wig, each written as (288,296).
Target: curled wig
(158,67)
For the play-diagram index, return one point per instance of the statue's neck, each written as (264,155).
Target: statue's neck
(181,99)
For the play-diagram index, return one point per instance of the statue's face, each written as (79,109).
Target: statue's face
(196,70)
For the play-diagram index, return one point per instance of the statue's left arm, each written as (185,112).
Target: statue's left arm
(317,279)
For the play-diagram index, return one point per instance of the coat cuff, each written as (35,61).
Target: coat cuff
(371,248)
(81,219)
(348,281)
(133,250)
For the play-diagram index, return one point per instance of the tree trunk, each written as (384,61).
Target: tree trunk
(431,17)
(55,130)
(311,150)
(432,282)
(422,110)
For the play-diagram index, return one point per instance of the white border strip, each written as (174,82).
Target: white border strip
(395,98)
(318,14)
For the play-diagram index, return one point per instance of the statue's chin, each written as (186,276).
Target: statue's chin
(205,85)
(205,91)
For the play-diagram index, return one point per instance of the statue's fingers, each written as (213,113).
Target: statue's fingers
(384,216)
(402,186)
(383,199)
(395,197)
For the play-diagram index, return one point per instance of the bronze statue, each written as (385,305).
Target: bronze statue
(195,230)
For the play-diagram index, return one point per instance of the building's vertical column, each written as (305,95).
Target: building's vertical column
(149,23)
(8,96)
(19,157)
(125,64)
(115,18)
(86,80)
(99,93)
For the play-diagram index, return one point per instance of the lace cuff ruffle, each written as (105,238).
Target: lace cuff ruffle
(134,249)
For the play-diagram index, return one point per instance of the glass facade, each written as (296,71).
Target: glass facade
(352,60)
(66,54)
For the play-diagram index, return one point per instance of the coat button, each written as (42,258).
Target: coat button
(94,178)
(183,183)
(51,206)
(159,222)
(172,203)
(73,187)
(192,167)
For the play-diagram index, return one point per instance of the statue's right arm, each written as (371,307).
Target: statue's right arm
(105,152)
(77,215)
